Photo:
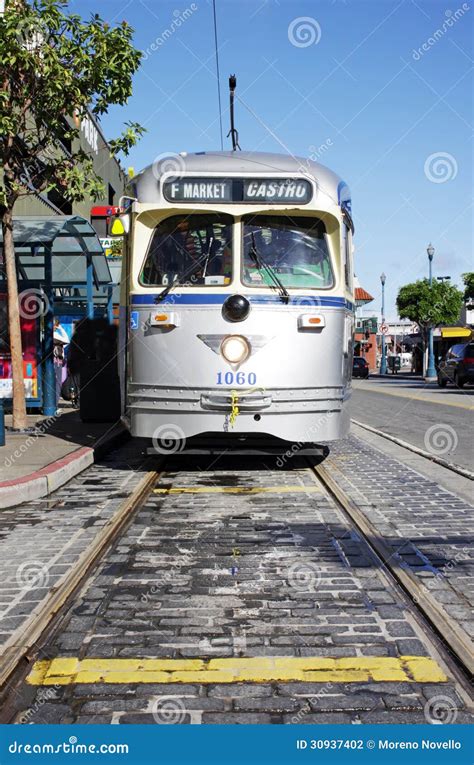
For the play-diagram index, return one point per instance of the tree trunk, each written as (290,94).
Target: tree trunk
(19,406)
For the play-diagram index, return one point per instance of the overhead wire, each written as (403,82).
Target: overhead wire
(218,73)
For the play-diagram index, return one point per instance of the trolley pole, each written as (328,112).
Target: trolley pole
(383,360)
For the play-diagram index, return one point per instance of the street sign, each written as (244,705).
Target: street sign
(384,329)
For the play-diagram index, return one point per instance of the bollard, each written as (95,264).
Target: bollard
(2,423)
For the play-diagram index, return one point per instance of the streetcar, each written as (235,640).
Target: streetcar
(237,299)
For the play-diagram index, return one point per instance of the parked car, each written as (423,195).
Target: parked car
(360,368)
(457,366)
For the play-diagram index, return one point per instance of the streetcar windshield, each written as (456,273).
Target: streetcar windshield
(191,250)
(295,249)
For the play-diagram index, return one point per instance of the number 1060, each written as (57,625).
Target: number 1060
(236,378)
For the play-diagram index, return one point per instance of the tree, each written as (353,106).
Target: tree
(429,306)
(468,280)
(54,67)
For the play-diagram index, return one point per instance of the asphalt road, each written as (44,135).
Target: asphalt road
(431,418)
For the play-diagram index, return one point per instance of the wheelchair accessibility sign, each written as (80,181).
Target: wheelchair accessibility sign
(134,320)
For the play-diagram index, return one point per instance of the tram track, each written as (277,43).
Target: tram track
(17,650)
(457,646)
(158,485)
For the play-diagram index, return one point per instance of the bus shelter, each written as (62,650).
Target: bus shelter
(60,263)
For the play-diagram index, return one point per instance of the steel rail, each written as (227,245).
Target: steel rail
(455,639)
(17,649)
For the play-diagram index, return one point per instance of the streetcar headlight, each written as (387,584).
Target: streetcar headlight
(235,349)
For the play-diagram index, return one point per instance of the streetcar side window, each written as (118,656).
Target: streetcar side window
(295,248)
(348,258)
(190,250)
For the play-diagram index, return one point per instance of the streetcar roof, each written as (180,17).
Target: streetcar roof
(145,187)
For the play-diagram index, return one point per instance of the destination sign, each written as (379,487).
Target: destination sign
(198,190)
(278,191)
(264,190)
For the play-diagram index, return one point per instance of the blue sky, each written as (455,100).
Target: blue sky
(395,122)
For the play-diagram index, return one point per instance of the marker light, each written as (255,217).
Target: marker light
(235,349)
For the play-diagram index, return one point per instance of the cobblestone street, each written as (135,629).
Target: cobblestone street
(220,567)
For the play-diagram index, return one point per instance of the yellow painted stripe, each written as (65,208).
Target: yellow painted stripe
(237,490)
(259,669)
(372,389)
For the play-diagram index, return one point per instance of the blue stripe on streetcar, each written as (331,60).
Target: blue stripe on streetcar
(217,299)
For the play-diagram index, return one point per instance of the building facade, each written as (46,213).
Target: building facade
(92,140)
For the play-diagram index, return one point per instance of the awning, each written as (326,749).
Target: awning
(70,239)
(456,332)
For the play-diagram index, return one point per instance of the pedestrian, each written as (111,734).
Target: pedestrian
(60,340)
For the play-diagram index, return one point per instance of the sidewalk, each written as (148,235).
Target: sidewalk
(35,463)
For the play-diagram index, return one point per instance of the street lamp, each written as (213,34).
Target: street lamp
(431,371)
(383,360)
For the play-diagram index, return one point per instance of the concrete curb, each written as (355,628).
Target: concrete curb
(42,482)
(422,452)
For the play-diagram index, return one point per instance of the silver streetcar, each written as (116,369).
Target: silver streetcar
(237,299)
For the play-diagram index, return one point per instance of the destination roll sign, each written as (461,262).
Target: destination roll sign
(279,191)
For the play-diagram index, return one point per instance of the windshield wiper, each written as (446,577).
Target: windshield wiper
(197,263)
(262,265)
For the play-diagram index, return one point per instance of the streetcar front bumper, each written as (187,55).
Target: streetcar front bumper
(301,414)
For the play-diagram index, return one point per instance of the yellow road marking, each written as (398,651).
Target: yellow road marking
(259,669)
(413,397)
(237,490)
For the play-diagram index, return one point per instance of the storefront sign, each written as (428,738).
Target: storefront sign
(88,130)
(112,246)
